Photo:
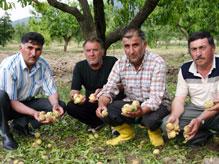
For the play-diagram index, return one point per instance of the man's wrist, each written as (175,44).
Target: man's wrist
(201,120)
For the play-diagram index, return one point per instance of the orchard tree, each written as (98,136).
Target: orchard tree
(92,20)
(60,25)
(6,29)
(188,15)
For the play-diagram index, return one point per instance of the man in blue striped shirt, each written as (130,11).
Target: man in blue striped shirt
(22,77)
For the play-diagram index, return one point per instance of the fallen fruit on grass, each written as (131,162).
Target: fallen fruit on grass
(38,141)
(15,161)
(34,144)
(156,151)
(96,135)
(92,98)
(37,135)
(49,145)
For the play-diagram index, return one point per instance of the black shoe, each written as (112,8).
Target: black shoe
(8,142)
(25,131)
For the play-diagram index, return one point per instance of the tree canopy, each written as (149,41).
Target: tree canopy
(6,29)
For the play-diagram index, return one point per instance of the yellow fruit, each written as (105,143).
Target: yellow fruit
(136,103)
(20,162)
(104,112)
(186,129)
(49,145)
(56,114)
(169,126)
(171,134)
(176,127)
(92,98)
(44,156)
(126,108)
(156,151)
(38,141)
(34,144)
(37,135)
(96,135)
(208,103)
(15,161)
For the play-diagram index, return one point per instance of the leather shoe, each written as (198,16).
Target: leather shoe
(8,142)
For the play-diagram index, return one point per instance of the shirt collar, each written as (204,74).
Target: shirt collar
(193,68)
(143,61)
(24,66)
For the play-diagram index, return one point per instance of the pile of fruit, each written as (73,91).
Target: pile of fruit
(130,107)
(172,130)
(48,116)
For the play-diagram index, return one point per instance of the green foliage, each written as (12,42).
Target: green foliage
(59,25)
(20,30)
(6,29)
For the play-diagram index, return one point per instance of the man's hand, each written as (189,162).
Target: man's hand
(58,108)
(173,119)
(194,126)
(99,111)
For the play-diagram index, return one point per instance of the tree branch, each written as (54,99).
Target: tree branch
(66,8)
(137,21)
(99,17)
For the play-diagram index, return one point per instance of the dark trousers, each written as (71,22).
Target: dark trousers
(7,113)
(151,120)
(85,113)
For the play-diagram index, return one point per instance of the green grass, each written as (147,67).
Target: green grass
(71,143)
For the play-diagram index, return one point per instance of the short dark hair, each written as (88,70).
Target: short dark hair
(33,37)
(135,30)
(201,35)
(94,39)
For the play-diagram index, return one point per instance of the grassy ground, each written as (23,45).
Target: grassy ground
(71,143)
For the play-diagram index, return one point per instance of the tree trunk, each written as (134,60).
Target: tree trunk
(66,41)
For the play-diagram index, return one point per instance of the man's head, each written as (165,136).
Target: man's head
(31,47)
(134,45)
(94,51)
(201,48)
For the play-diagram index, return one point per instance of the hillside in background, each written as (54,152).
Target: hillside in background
(21,21)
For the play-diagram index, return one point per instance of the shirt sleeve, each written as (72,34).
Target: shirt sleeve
(49,86)
(8,83)
(157,87)
(110,89)
(182,87)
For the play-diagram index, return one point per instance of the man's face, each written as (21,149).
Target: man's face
(202,52)
(30,53)
(93,53)
(134,48)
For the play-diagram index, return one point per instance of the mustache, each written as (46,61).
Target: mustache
(198,58)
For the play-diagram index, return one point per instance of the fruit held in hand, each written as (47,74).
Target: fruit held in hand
(104,112)
(78,98)
(208,104)
(172,130)
(186,133)
(92,98)
(130,107)
(49,116)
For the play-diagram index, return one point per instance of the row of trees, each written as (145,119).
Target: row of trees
(160,19)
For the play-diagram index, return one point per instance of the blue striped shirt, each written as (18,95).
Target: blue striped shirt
(21,83)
